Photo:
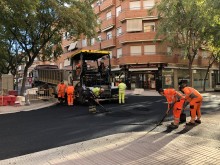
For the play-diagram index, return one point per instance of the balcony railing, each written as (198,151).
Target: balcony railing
(136,37)
(108,43)
(108,23)
(141,13)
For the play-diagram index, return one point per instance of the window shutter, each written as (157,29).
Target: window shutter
(135,50)
(134,25)
(135,5)
(149,49)
(149,4)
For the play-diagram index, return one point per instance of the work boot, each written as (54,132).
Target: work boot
(173,126)
(198,121)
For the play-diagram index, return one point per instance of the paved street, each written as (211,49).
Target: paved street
(64,135)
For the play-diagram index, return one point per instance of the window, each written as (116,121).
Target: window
(110,54)
(119,52)
(99,21)
(98,3)
(169,50)
(118,11)
(149,49)
(99,38)
(149,27)
(204,54)
(84,42)
(92,41)
(65,35)
(135,50)
(148,4)
(134,25)
(109,35)
(119,31)
(109,15)
(135,5)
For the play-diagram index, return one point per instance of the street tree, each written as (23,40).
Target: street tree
(213,39)
(37,26)
(182,24)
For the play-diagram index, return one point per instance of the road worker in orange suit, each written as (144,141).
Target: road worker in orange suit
(70,94)
(194,98)
(61,89)
(175,102)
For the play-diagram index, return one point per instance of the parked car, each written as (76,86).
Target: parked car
(217,87)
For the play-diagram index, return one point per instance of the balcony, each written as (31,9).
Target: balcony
(106,4)
(108,43)
(143,59)
(136,37)
(128,14)
(107,24)
(96,46)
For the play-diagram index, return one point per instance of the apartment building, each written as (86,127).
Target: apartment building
(128,31)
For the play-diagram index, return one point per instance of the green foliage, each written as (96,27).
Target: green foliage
(37,25)
(185,25)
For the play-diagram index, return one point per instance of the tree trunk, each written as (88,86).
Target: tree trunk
(24,81)
(190,75)
(206,75)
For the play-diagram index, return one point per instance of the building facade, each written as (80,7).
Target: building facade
(128,31)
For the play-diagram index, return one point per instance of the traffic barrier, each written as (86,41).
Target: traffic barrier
(39,94)
(20,100)
(7,100)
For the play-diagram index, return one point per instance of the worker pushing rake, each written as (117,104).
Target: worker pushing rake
(92,96)
(176,103)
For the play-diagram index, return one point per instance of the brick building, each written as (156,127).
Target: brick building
(128,31)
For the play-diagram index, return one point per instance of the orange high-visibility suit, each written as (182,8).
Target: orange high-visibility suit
(61,89)
(175,101)
(195,100)
(70,94)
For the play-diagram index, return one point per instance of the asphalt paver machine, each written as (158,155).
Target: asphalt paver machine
(92,68)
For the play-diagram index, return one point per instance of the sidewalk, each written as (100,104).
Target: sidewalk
(34,105)
(185,145)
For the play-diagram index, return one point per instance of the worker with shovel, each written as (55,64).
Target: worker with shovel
(175,102)
(194,98)
(92,96)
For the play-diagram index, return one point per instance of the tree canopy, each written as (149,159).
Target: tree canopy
(184,24)
(36,26)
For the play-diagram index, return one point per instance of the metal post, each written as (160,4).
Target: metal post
(16,72)
(219,73)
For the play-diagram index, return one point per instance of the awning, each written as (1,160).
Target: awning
(141,69)
(72,46)
(107,28)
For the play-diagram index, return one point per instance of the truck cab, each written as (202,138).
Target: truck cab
(92,68)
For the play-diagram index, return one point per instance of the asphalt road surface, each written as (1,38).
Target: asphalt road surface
(27,132)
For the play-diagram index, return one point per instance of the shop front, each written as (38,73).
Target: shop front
(146,76)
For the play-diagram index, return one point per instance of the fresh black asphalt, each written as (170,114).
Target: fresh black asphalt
(27,132)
